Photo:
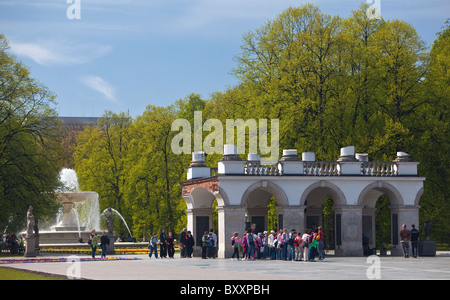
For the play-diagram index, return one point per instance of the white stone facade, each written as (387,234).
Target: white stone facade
(243,189)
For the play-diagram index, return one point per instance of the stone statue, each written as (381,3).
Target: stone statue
(30,222)
(30,239)
(109,221)
(110,234)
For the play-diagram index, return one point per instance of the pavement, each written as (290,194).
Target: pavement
(332,268)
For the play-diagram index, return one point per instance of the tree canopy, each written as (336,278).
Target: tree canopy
(29,144)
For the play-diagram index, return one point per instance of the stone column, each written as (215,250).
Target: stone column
(370,231)
(192,223)
(293,217)
(231,220)
(404,215)
(351,230)
(30,247)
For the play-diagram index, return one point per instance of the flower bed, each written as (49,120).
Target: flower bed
(62,259)
(87,250)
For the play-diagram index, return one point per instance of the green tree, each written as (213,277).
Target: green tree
(153,192)
(432,139)
(100,161)
(29,144)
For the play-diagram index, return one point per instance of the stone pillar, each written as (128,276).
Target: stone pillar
(197,224)
(293,217)
(369,226)
(110,248)
(348,164)
(198,168)
(351,230)
(30,247)
(402,215)
(230,163)
(231,220)
(405,164)
(290,163)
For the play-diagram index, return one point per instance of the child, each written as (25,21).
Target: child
(298,248)
(152,245)
(211,246)
(304,245)
(244,245)
(235,244)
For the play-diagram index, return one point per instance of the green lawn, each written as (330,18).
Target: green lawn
(12,274)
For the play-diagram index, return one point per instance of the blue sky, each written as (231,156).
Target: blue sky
(125,54)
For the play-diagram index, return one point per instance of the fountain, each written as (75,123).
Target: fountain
(68,230)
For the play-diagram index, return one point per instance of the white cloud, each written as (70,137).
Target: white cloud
(100,85)
(52,52)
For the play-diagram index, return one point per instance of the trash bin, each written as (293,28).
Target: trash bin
(427,248)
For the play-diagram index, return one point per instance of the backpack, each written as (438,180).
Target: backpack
(205,241)
(250,238)
(291,240)
(305,242)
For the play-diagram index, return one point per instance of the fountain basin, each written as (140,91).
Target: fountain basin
(69,229)
(63,237)
(69,222)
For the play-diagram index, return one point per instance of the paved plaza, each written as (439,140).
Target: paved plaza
(332,268)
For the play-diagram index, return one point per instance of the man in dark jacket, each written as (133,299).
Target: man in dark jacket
(414,240)
(104,241)
(182,241)
(163,244)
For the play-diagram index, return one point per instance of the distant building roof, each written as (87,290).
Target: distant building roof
(79,120)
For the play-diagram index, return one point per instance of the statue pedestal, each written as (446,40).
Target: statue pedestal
(30,247)
(110,248)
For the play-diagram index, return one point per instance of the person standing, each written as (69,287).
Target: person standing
(170,245)
(235,244)
(321,244)
(250,245)
(211,246)
(270,241)
(182,240)
(205,244)
(265,241)
(214,241)
(405,237)
(305,244)
(190,242)
(163,244)
(297,246)
(153,245)
(414,240)
(244,245)
(93,239)
(104,242)
(285,242)
(312,246)
(291,243)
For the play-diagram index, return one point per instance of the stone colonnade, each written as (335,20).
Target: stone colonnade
(243,188)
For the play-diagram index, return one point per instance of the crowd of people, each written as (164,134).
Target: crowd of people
(11,244)
(166,243)
(281,245)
